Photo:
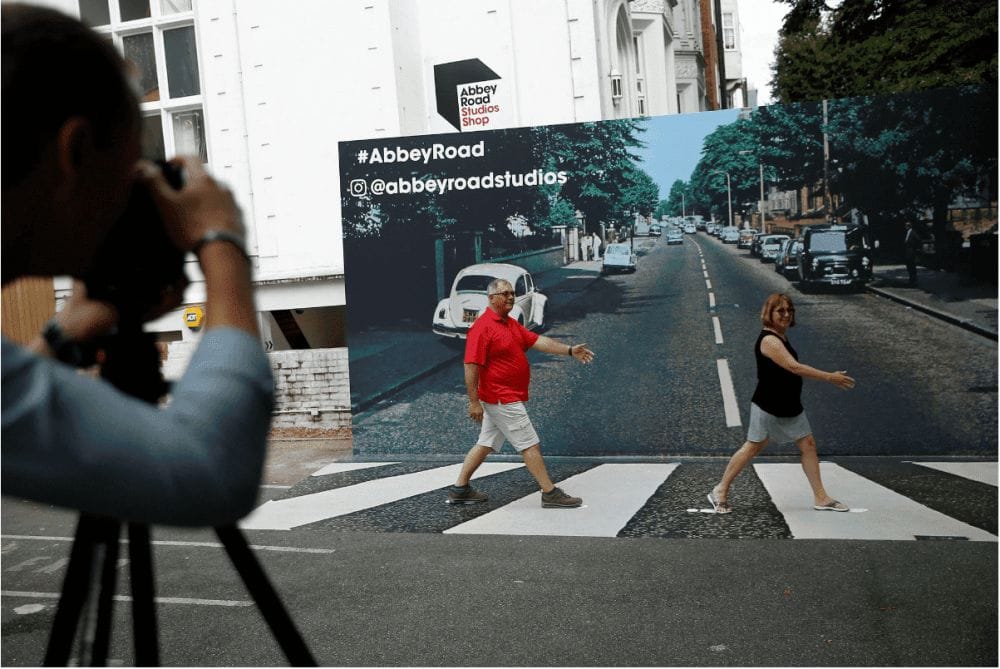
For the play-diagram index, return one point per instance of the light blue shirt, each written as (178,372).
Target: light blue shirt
(79,442)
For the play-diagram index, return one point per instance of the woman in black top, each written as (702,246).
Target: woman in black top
(776,408)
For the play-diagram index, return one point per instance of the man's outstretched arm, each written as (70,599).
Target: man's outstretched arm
(579,352)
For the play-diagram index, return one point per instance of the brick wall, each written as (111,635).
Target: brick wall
(312,389)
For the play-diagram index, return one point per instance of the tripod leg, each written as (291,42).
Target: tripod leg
(264,594)
(74,593)
(100,642)
(147,653)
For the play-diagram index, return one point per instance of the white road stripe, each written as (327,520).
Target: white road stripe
(183,544)
(888,515)
(718,329)
(284,514)
(728,395)
(705,273)
(711,300)
(612,494)
(983,472)
(708,284)
(338,467)
(126,598)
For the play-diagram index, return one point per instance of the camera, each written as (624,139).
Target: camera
(138,265)
(139,270)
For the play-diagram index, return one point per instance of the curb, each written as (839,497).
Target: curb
(366,402)
(944,316)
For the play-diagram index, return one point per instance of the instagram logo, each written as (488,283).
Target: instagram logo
(359,187)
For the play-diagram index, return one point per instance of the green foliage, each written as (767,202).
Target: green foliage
(871,47)
(676,202)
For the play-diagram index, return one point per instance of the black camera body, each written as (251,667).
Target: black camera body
(138,262)
(136,270)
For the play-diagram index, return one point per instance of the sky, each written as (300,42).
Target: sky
(673,143)
(760,21)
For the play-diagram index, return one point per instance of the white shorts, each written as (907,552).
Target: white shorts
(776,428)
(507,421)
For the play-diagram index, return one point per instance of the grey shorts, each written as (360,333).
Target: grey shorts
(507,421)
(776,428)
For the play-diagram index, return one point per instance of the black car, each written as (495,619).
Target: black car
(835,255)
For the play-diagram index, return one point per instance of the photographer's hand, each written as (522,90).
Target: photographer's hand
(81,319)
(200,207)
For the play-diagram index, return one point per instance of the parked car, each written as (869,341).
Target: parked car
(655,230)
(455,314)
(620,258)
(769,246)
(746,238)
(787,262)
(835,255)
(675,236)
(730,234)
(755,244)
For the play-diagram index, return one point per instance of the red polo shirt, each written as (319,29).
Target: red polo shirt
(497,344)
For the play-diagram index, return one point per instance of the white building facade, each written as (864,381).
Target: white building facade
(265,90)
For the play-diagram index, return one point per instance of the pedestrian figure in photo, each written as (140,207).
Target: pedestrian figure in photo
(596,247)
(776,412)
(71,147)
(497,375)
(911,246)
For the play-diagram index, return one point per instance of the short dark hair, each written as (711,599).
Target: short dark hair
(55,68)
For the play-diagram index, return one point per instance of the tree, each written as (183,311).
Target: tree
(871,47)
(676,202)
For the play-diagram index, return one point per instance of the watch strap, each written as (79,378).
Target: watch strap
(63,348)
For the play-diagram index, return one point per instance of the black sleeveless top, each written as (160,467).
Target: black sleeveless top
(779,392)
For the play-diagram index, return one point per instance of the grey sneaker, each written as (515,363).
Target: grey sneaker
(557,499)
(465,495)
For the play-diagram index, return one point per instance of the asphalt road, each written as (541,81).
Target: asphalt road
(661,334)
(420,599)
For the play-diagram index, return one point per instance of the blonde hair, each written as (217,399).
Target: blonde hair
(774,300)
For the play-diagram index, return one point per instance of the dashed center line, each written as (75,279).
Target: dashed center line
(728,395)
(718,329)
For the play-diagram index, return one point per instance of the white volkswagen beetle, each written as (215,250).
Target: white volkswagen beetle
(454,315)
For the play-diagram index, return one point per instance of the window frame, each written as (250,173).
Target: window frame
(166,107)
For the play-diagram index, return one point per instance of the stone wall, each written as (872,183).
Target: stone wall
(312,389)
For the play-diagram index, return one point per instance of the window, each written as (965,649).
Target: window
(521,287)
(642,106)
(728,31)
(616,86)
(157,39)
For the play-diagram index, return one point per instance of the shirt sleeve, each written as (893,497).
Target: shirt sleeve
(79,442)
(528,338)
(475,346)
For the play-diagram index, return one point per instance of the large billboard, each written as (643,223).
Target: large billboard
(426,218)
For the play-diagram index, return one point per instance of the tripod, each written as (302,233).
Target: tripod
(89,585)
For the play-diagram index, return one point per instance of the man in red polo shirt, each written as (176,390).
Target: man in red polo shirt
(496,377)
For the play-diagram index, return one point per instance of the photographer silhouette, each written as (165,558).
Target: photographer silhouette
(70,162)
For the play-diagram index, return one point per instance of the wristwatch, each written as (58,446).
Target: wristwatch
(63,348)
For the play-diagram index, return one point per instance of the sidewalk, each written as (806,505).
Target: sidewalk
(951,296)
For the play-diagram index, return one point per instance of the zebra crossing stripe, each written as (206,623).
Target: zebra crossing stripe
(983,472)
(612,494)
(338,467)
(889,516)
(284,514)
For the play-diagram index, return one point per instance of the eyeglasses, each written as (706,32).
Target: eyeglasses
(784,311)
(506,293)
